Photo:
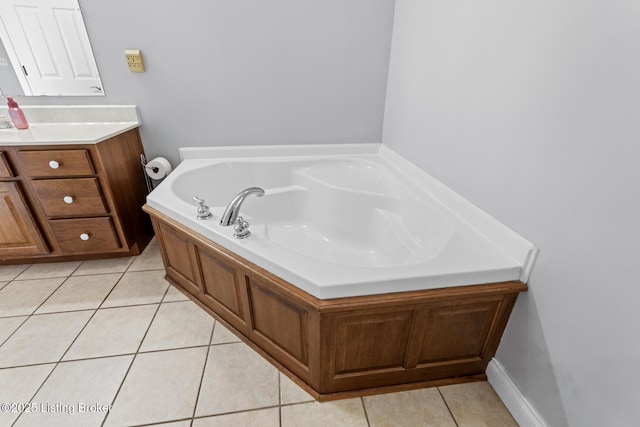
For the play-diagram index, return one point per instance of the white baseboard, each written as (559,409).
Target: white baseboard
(520,408)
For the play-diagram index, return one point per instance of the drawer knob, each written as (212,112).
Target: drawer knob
(84,236)
(54,165)
(68,199)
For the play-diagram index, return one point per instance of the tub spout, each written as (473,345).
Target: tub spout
(231,213)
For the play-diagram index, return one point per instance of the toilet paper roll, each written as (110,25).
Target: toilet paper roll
(158,168)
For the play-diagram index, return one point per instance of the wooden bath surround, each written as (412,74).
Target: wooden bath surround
(343,347)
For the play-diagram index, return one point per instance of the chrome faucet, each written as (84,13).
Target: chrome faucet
(203,211)
(230,215)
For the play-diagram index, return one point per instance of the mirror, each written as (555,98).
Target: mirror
(47,47)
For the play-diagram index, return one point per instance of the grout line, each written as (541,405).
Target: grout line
(150,323)
(235,412)
(229,343)
(36,392)
(126,374)
(16,330)
(15,315)
(110,291)
(51,294)
(27,366)
(448,408)
(17,274)
(105,356)
(312,400)
(204,370)
(161,423)
(364,407)
(79,333)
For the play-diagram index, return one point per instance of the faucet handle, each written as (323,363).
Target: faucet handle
(241,229)
(203,210)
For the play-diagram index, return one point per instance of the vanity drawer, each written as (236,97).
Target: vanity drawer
(5,170)
(54,163)
(85,235)
(70,197)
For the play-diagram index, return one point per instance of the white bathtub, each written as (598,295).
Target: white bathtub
(348,220)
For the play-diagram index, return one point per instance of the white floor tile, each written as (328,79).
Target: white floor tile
(174,295)
(113,331)
(49,270)
(10,272)
(144,287)
(161,386)
(43,338)
(78,393)
(260,418)
(104,266)
(344,413)
(178,324)
(247,380)
(150,259)
(222,335)
(186,423)
(476,404)
(18,386)
(22,297)
(407,409)
(80,293)
(8,325)
(291,392)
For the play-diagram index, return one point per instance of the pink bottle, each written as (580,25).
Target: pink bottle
(17,115)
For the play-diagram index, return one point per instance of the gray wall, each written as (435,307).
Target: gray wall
(531,111)
(243,71)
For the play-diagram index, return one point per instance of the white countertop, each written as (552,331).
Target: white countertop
(71,124)
(64,133)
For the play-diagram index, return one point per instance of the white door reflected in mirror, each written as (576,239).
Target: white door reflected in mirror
(48,46)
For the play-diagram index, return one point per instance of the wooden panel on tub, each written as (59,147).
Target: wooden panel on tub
(282,322)
(452,331)
(177,254)
(371,342)
(222,286)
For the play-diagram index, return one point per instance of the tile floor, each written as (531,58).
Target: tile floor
(111,343)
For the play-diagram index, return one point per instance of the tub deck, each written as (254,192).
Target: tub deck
(343,224)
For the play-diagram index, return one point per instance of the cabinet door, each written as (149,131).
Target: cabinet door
(19,234)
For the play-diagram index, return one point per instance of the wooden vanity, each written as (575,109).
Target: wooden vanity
(71,201)
(344,347)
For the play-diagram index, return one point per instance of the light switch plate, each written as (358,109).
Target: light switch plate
(134,60)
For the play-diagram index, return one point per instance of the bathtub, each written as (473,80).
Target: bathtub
(344,220)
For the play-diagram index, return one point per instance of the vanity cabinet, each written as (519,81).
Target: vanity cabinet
(341,347)
(65,202)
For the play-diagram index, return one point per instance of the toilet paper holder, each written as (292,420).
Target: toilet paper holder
(155,169)
(147,180)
